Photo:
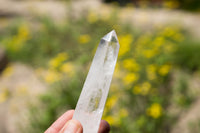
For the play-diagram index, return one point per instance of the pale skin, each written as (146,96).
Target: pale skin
(65,124)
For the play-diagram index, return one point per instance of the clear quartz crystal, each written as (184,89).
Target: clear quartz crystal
(89,108)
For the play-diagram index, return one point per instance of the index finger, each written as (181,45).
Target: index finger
(60,122)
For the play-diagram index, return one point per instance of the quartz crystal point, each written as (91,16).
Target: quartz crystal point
(90,106)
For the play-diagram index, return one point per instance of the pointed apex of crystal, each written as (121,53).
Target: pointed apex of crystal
(110,36)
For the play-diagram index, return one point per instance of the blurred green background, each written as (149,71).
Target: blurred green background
(46,48)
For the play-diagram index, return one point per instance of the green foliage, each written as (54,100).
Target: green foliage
(62,97)
(187,55)
(189,4)
(181,95)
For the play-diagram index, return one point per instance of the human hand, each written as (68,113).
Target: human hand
(65,124)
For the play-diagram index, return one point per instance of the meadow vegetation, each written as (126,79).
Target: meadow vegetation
(142,91)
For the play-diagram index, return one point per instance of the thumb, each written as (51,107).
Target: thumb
(72,126)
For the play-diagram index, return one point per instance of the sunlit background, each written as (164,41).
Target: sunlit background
(46,48)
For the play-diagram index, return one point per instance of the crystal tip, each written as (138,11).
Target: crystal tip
(109,36)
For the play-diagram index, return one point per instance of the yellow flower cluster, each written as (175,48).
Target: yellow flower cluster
(131,65)
(130,78)
(4,95)
(115,119)
(111,102)
(84,39)
(164,70)
(142,89)
(58,60)
(125,43)
(172,32)
(151,71)
(52,76)
(68,68)
(16,42)
(140,69)
(155,110)
(58,68)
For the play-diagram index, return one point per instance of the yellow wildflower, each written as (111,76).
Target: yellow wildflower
(111,101)
(112,120)
(4,95)
(84,39)
(155,110)
(18,41)
(145,87)
(136,89)
(24,31)
(149,53)
(164,70)
(142,89)
(158,41)
(52,76)
(58,60)
(68,68)
(125,42)
(151,71)
(130,78)
(131,64)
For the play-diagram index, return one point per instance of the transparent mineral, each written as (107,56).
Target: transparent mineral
(90,106)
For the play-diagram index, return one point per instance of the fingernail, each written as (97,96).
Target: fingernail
(73,127)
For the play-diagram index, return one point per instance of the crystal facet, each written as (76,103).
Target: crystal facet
(89,108)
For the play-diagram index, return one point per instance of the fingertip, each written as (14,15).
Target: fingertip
(104,127)
(60,122)
(72,126)
(71,111)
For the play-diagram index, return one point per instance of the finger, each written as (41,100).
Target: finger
(60,122)
(72,126)
(104,127)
